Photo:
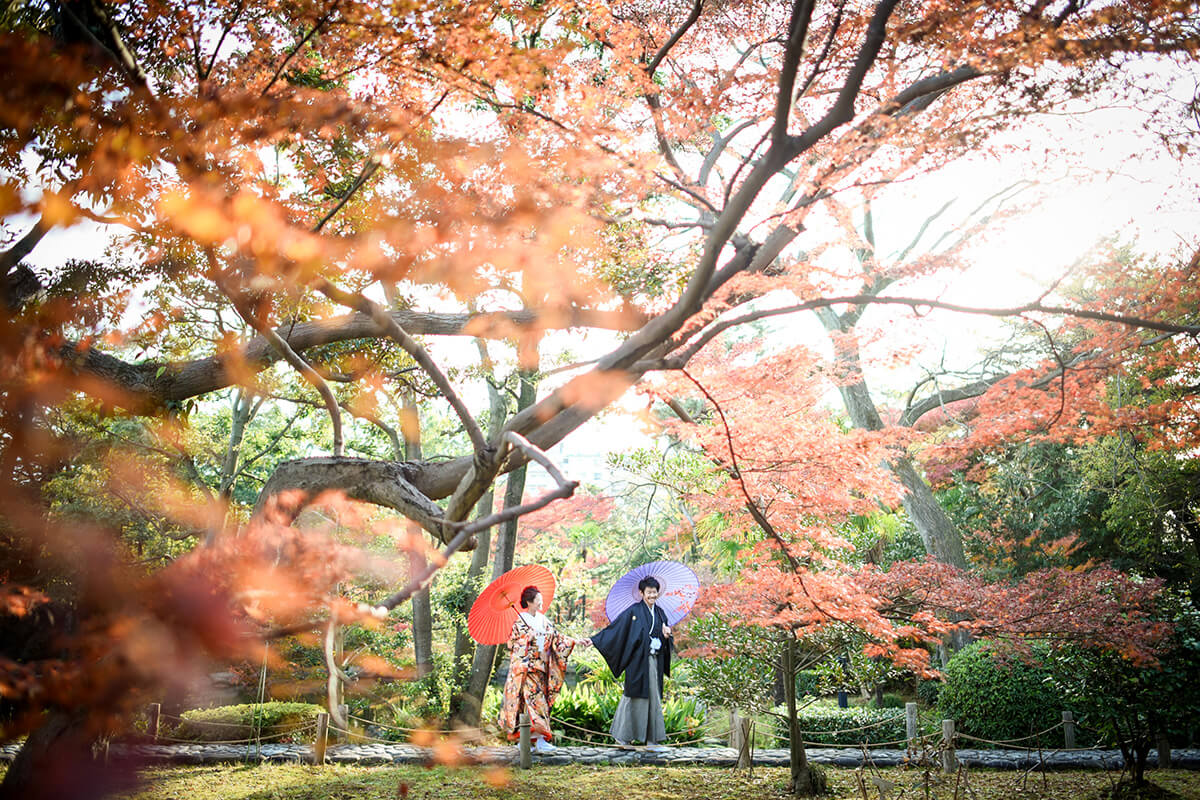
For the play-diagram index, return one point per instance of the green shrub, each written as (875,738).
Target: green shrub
(737,669)
(808,682)
(684,718)
(599,677)
(996,696)
(275,721)
(589,713)
(927,692)
(835,725)
(891,700)
(493,698)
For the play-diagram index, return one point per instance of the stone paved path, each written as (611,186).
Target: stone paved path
(380,754)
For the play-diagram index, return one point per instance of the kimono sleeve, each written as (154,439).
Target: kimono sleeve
(617,643)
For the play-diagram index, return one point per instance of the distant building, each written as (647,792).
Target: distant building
(589,468)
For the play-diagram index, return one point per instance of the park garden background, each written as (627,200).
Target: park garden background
(889,309)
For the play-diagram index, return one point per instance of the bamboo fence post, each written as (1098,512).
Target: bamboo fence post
(1068,720)
(526,753)
(153,714)
(322,738)
(949,760)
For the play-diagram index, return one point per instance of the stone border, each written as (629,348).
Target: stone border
(385,754)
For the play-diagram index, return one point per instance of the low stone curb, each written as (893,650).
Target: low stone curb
(383,754)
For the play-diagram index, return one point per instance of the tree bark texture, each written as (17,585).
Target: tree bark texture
(804,780)
(422,607)
(483,663)
(153,385)
(939,534)
(57,763)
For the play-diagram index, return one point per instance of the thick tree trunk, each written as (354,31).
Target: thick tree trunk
(483,663)
(805,780)
(464,645)
(57,763)
(422,608)
(940,536)
(239,417)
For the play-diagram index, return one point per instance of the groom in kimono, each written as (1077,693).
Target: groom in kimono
(638,643)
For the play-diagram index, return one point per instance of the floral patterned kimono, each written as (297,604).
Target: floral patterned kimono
(535,675)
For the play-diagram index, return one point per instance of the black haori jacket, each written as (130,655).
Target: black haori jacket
(625,643)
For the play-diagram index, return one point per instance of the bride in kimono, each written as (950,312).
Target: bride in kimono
(536,664)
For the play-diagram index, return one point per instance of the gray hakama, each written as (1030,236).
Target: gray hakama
(640,719)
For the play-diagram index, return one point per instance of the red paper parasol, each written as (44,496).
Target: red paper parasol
(495,610)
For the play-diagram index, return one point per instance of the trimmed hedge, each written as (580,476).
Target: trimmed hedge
(832,725)
(274,720)
(995,697)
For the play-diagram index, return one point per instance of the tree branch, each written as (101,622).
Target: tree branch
(675,37)
(237,12)
(151,385)
(816,70)
(300,365)
(752,506)
(466,530)
(802,11)
(23,247)
(387,324)
(320,23)
(716,329)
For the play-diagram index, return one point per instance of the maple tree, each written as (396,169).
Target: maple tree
(334,175)
(787,508)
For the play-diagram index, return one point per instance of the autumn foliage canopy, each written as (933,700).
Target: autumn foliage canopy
(307,195)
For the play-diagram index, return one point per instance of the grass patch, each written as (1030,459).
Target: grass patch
(579,782)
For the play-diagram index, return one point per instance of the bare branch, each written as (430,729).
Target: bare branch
(943,397)
(387,324)
(843,108)
(820,59)
(919,303)
(719,145)
(564,490)
(802,11)
(301,366)
(320,23)
(237,12)
(675,37)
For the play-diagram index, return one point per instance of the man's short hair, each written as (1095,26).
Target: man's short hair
(648,582)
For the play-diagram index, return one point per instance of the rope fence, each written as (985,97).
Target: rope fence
(607,735)
(267,738)
(930,747)
(868,726)
(1002,742)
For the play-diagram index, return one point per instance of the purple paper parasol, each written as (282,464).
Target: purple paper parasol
(679,589)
